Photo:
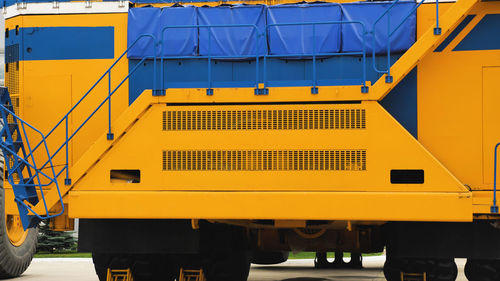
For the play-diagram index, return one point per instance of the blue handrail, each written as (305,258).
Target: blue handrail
(315,54)
(437,31)
(264,54)
(494,206)
(209,58)
(108,98)
(38,170)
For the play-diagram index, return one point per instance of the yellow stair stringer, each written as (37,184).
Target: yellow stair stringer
(102,145)
(425,44)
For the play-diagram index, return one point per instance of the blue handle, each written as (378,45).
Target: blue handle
(494,206)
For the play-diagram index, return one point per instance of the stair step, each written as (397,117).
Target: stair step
(9,107)
(12,127)
(18,168)
(17,145)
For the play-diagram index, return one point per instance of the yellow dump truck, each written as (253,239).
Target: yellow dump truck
(208,135)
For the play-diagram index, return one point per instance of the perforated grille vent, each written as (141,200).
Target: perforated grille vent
(264,160)
(12,53)
(12,83)
(300,119)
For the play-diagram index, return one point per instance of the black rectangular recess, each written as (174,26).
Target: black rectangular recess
(127,176)
(407,176)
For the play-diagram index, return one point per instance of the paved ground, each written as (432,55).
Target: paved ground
(293,270)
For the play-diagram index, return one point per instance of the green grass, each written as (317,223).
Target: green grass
(63,255)
(312,255)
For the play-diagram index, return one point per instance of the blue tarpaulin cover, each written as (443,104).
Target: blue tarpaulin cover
(232,41)
(176,41)
(368,13)
(241,42)
(298,39)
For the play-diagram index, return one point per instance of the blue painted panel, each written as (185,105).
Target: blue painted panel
(454,33)
(63,43)
(484,36)
(401,103)
(232,41)
(193,73)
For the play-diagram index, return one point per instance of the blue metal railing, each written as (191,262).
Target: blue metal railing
(38,169)
(263,53)
(210,57)
(390,33)
(494,206)
(314,54)
(29,161)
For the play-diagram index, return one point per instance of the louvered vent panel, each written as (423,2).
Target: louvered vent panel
(264,160)
(290,119)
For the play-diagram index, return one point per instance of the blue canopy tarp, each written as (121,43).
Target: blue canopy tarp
(299,39)
(368,13)
(232,41)
(154,21)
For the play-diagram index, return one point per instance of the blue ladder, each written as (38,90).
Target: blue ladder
(21,172)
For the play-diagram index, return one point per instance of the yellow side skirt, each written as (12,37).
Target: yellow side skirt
(372,206)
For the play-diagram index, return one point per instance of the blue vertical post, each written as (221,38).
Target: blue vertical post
(67,180)
(156,90)
(256,58)
(162,78)
(258,90)
(388,78)
(314,89)
(437,29)
(364,88)
(264,74)
(494,207)
(210,91)
(110,135)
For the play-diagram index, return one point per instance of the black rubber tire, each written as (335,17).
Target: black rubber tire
(392,269)
(267,258)
(225,252)
(101,264)
(143,267)
(481,270)
(14,260)
(437,270)
(228,266)
(442,270)
(154,268)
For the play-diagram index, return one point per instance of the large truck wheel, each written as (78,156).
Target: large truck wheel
(228,266)
(266,257)
(482,270)
(17,247)
(146,267)
(225,252)
(436,269)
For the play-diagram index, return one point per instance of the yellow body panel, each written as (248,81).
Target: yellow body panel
(367,206)
(457,99)
(383,138)
(457,126)
(67,81)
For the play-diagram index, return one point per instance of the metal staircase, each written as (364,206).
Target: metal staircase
(21,168)
(31,181)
